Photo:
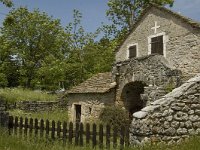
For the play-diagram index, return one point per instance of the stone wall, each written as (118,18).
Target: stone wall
(91,104)
(153,70)
(37,106)
(170,119)
(181,39)
(33,106)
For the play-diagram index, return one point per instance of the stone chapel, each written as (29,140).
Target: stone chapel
(161,52)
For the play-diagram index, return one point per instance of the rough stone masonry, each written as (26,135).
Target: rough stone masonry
(170,119)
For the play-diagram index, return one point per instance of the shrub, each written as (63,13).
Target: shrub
(115,116)
(3,80)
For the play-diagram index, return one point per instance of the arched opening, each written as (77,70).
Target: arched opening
(131,96)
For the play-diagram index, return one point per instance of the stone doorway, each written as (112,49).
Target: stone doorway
(132,98)
(78,113)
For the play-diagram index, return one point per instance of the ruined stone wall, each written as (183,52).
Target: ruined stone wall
(181,39)
(91,104)
(170,119)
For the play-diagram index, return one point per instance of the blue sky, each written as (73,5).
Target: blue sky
(94,11)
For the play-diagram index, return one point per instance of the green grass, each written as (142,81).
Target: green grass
(15,142)
(56,115)
(19,94)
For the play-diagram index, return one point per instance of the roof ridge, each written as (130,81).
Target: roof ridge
(188,20)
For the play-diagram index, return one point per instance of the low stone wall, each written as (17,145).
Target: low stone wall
(170,119)
(33,106)
(37,106)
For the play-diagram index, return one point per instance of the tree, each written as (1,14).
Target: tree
(77,39)
(125,12)
(8,3)
(32,38)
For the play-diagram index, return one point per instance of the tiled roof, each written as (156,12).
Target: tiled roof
(99,83)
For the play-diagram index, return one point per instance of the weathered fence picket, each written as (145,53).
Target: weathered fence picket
(81,134)
(47,128)
(87,133)
(64,133)
(78,134)
(94,135)
(41,128)
(25,127)
(53,129)
(108,136)
(70,132)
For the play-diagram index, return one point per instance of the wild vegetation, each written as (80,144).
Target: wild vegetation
(16,143)
(56,114)
(19,94)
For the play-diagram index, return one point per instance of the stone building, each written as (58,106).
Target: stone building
(161,52)
(86,100)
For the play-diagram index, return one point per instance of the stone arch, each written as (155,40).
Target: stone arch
(131,96)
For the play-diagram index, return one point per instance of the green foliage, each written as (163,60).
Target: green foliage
(19,94)
(125,12)
(3,80)
(8,3)
(32,37)
(169,86)
(115,116)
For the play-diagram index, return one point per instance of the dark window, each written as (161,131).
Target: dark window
(157,45)
(78,113)
(132,51)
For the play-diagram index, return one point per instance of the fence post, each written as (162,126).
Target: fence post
(122,137)
(115,138)
(10,124)
(81,134)
(101,136)
(41,128)
(70,132)
(58,129)
(6,119)
(107,136)
(31,127)
(127,137)
(15,125)
(20,125)
(94,135)
(64,133)
(47,128)
(53,130)
(25,127)
(77,133)
(36,127)
(87,134)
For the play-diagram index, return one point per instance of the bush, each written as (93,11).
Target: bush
(3,80)
(115,116)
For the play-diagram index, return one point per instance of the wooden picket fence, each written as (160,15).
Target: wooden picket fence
(77,134)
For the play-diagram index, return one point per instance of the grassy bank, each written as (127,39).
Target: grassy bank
(19,94)
(56,115)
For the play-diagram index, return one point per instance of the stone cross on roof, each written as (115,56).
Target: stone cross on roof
(155,27)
